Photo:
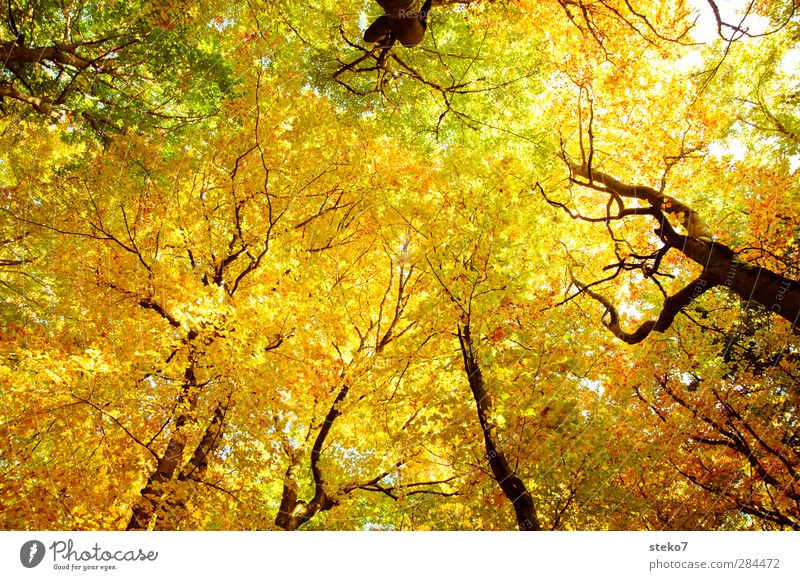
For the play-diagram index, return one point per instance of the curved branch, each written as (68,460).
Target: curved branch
(395,492)
(721,266)
(672,306)
(689,218)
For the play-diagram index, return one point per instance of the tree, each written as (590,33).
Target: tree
(114,66)
(304,283)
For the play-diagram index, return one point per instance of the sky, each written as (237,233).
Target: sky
(730,11)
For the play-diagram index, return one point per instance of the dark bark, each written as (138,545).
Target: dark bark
(776,293)
(294,512)
(195,468)
(672,306)
(19,59)
(513,487)
(721,266)
(151,495)
(13,53)
(199,461)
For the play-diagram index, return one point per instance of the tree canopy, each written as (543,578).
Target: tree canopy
(538,272)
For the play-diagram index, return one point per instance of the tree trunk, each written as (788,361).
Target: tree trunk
(513,487)
(145,509)
(294,512)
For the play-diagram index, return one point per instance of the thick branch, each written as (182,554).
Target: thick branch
(199,461)
(672,306)
(13,53)
(689,218)
(42,106)
(195,468)
(721,266)
(151,304)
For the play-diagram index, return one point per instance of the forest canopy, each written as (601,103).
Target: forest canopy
(534,266)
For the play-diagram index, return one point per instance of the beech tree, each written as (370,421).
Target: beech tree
(537,272)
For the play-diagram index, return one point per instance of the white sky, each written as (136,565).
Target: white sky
(705,30)
(731,12)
